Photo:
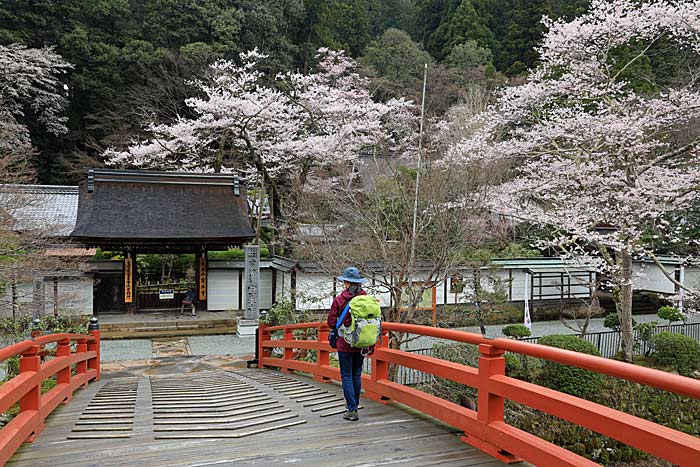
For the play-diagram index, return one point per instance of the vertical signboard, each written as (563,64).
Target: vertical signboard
(203,277)
(252,281)
(526,320)
(128,280)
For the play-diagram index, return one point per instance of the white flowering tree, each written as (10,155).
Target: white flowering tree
(601,154)
(30,87)
(30,90)
(284,131)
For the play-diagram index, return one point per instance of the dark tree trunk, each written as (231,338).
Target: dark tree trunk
(624,307)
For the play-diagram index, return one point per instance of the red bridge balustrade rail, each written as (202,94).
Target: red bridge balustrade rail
(25,388)
(485,428)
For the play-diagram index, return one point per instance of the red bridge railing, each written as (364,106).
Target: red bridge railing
(485,428)
(25,388)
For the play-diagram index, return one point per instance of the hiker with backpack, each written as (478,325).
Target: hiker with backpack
(354,319)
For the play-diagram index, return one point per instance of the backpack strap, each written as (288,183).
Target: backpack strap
(342,316)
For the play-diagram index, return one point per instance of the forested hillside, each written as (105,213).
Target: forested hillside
(133,60)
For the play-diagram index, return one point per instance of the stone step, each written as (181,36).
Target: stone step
(109,327)
(151,333)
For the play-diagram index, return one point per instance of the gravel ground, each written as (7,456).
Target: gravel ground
(142,349)
(126,349)
(222,345)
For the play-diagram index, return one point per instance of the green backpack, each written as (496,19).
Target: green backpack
(366,322)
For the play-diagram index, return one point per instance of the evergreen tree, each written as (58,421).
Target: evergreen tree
(336,24)
(469,22)
(525,31)
(397,62)
(432,16)
(397,14)
(133,57)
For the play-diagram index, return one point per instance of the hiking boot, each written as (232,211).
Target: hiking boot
(351,415)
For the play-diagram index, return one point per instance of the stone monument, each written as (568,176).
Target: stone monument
(248,325)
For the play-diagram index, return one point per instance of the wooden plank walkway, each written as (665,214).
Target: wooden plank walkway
(239,417)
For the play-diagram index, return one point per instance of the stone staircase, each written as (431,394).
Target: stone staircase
(166,327)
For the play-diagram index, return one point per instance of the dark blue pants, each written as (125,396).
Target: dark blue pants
(351,376)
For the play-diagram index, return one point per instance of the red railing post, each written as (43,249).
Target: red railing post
(322,356)
(63,376)
(380,369)
(81,367)
(31,401)
(263,352)
(491,363)
(288,351)
(490,406)
(94,330)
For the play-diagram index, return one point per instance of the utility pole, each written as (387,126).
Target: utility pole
(418,169)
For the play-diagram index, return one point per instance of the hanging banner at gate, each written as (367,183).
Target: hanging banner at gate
(203,277)
(128,280)
(527,321)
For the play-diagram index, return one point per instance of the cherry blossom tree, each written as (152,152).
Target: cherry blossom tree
(283,131)
(30,87)
(596,156)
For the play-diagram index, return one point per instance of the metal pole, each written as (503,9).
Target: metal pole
(418,169)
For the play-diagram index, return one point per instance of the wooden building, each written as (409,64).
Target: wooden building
(139,212)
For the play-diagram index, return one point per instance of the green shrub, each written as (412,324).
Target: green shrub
(465,354)
(612,321)
(517,366)
(513,364)
(680,352)
(645,334)
(229,255)
(283,312)
(235,254)
(671,314)
(19,329)
(565,378)
(516,330)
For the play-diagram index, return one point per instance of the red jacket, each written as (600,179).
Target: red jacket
(337,308)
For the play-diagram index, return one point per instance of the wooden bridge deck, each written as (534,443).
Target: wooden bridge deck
(237,417)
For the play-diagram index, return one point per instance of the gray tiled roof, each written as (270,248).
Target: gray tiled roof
(52,208)
(147,207)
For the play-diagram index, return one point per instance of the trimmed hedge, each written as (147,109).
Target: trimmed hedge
(565,378)
(680,352)
(670,313)
(516,330)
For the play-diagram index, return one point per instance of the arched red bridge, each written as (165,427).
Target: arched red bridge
(266,417)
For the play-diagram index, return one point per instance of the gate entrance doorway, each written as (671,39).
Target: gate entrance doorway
(161,224)
(155,297)
(163,280)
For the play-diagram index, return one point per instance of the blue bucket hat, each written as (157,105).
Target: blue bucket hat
(351,274)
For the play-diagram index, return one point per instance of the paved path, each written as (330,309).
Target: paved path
(141,349)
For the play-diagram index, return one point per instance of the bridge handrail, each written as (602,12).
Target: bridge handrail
(21,347)
(25,388)
(485,427)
